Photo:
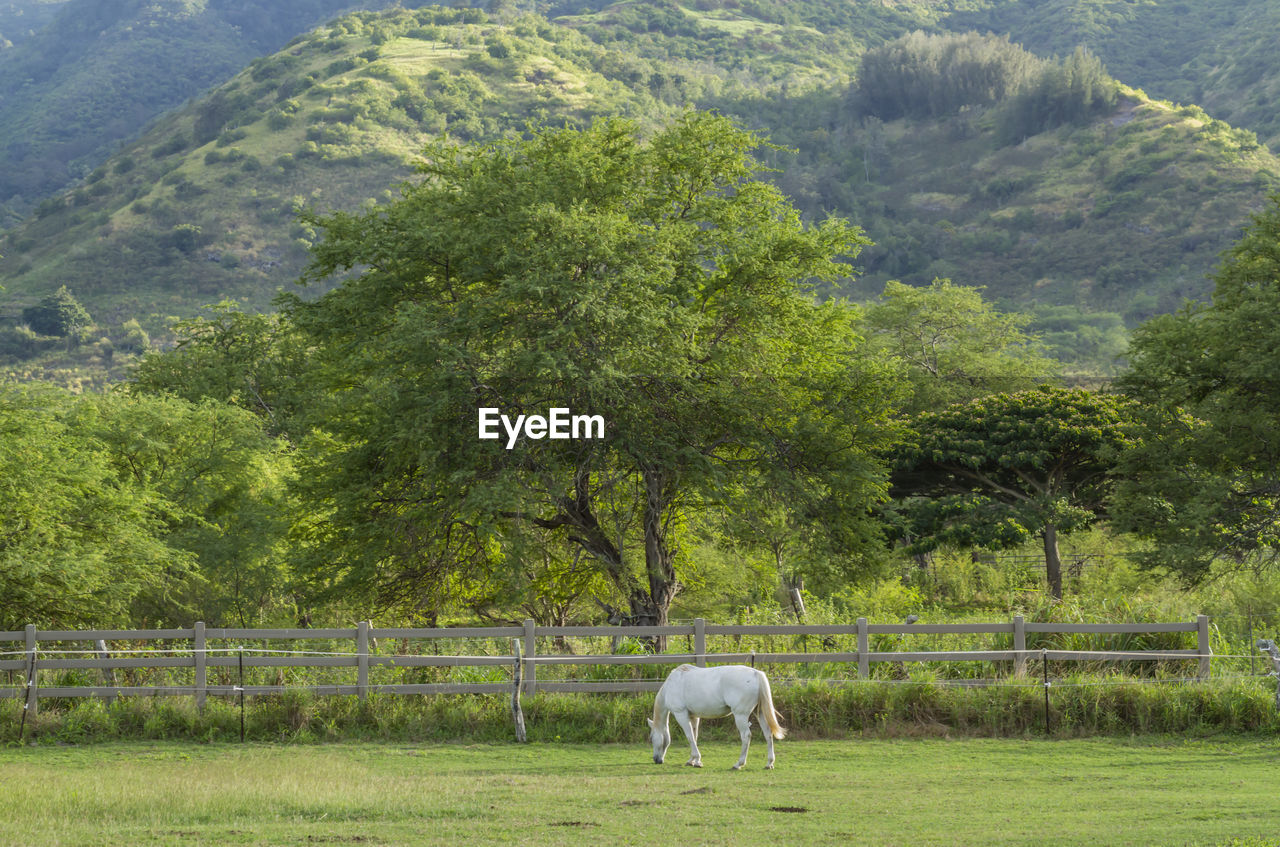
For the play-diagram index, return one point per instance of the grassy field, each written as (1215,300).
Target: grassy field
(972,791)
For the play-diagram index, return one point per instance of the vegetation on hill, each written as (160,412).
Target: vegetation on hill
(83,77)
(96,73)
(1218,54)
(1126,213)
(1019,186)
(202,208)
(22,19)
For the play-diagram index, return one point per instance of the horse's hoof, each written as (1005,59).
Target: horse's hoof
(769,766)
(736,768)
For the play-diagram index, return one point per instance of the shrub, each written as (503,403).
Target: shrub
(59,314)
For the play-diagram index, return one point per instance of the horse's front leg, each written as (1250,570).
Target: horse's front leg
(744,730)
(690,727)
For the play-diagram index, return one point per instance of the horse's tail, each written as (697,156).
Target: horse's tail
(771,717)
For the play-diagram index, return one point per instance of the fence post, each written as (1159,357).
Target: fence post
(517,714)
(864,661)
(362,660)
(700,642)
(201,657)
(108,674)
(1019,645)
(530,651)
(1202,644)
(33,700)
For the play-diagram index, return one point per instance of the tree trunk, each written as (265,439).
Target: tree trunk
(1052,561)
(652,608)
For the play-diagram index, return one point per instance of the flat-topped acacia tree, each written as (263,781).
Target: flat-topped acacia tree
(658,284)
(994,471)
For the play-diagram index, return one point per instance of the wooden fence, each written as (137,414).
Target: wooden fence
(25,660)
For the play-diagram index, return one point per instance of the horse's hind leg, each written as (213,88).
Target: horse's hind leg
(768,738)
(744,730)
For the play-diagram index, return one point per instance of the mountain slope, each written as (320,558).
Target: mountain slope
(21,19)
(201,207)
(85,76)
(1126,213)
(1219,54)
(98,72)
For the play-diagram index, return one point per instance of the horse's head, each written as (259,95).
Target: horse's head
(660,737)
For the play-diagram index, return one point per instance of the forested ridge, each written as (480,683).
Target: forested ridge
(850,284)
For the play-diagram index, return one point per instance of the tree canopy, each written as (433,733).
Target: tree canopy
(924,75)
(994,471)
(77,543)
(1205,483)
(58,314)
(659,285)
(954,345)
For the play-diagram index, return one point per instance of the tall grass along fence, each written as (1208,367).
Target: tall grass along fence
(201,662)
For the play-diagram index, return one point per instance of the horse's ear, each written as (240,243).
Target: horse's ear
(649,721)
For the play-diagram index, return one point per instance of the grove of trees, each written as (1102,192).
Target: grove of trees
(323,461)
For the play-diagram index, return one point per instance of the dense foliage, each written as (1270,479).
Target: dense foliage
(657,286)
(993,471)
(935,76)
(1205,483)
(58,314)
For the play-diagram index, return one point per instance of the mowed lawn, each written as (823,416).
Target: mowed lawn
(907,792)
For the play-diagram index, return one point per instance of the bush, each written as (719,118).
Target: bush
(21,342)
(174,144)
(59,314)
(133,338)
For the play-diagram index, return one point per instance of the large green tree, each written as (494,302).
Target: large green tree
(58,314)
(1205,482)
(995,471)
(659,285)
(953,345)
(218,485)
(78,544)
(250,360)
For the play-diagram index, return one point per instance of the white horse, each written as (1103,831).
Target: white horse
(692,693)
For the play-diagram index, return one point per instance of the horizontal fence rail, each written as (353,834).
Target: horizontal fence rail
(213,661)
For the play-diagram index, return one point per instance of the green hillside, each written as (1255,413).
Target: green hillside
(201,208)
(21,19)
(92,74)
(1220,54)
(1128,213)
(80,77)
(1120,211)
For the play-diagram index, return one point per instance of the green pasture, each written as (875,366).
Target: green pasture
(877,792)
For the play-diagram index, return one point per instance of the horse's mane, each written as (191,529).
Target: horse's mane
(657,704)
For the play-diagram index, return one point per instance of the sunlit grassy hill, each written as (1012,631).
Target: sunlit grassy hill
(201,208)
(1128,213)
(1124,214)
